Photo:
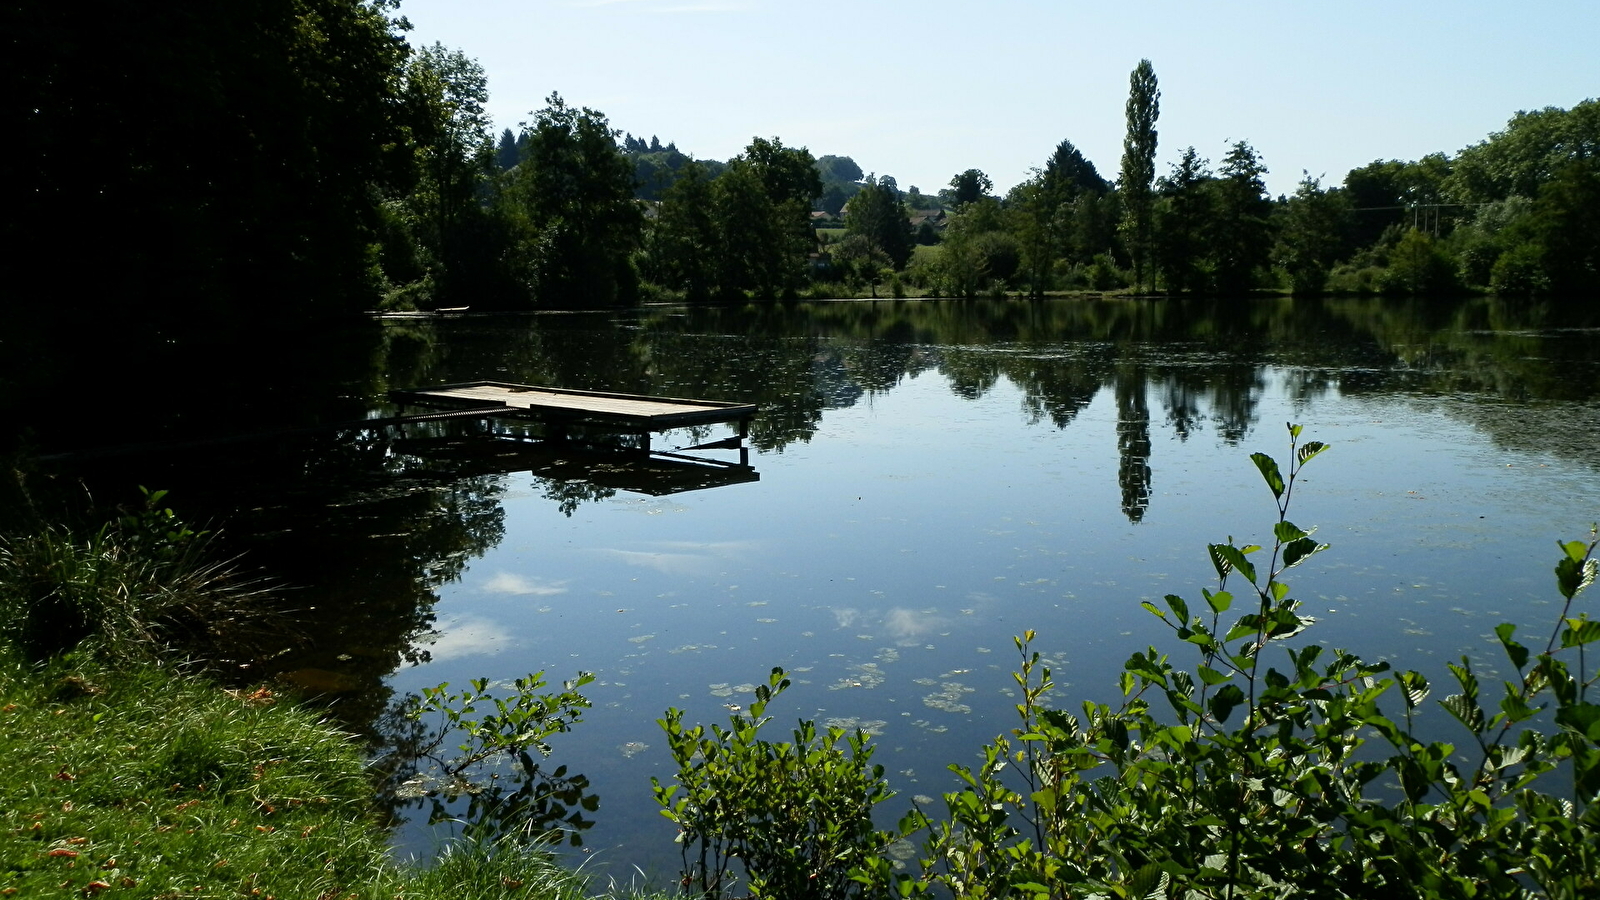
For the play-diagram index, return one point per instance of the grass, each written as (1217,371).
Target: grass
(137,782)
(126,778)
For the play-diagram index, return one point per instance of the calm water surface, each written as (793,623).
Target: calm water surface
(934,478)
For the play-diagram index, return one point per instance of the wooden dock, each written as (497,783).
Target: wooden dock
(558,408)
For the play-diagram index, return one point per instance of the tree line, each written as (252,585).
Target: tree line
(1512,214)
(306,156)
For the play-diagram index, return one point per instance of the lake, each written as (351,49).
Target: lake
(926,480)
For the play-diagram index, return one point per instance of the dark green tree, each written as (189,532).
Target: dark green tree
(763,203)
(1183,220)
(1313,234)
(1241,237)
(445,92)
(969,186)
(685,240)
(1567,221)
(1388,193)
(1068,173)
(833,199)
(506,153)
(1525,156)
(577,190)
(237,153)
(1420,266)
(838,170)
(1139,165)
(1556,245)
(877,214)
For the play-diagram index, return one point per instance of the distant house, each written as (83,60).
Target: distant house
(821,218)
(935,218)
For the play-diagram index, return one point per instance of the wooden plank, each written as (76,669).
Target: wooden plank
(631,410)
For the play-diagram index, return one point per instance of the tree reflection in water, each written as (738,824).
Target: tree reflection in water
(366,532)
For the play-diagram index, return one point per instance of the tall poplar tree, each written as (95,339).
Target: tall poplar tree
(1139,164)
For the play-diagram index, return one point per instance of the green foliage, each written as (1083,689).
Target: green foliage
(1182,224)
(576,189)
(838,170)
(510,797)
(441,243)
(250,143)
(1521,159)
(682,244)
(1139,165)
(1519,272)
(143,587)
(1239,779)
(135,781)
(1385,194)
(1313,235)
(1234,777)
(762,221)
(796,816)
(1241,237)
(1419,266)
(969,187)
(876,214)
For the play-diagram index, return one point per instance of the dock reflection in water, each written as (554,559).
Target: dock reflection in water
(605,469)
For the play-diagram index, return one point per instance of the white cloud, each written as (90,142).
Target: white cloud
(466,636)
(904,624)
(520,585)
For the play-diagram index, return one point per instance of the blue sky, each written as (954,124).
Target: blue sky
(923,90)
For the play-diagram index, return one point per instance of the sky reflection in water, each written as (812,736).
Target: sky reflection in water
(888,562)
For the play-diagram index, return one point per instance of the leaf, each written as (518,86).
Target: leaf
(1296,551)
(1580,631)
(1582,718)
(1309,451)
(1179,608)
(1572,576)
(1415,688)
(1221,563)
(1212,677)
(1149,883)
(1515,708)
(1223,703)
(1219,602)
(1517,653)
(1466,712)
(1269,472)
(1235,558)
(1287,531)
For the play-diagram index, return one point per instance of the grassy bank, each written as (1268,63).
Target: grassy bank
(136,782)
(125,777)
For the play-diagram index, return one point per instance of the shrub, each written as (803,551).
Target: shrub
(1231,778)
(796,816)
(140,588)
(1519,272)
(1256,782)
